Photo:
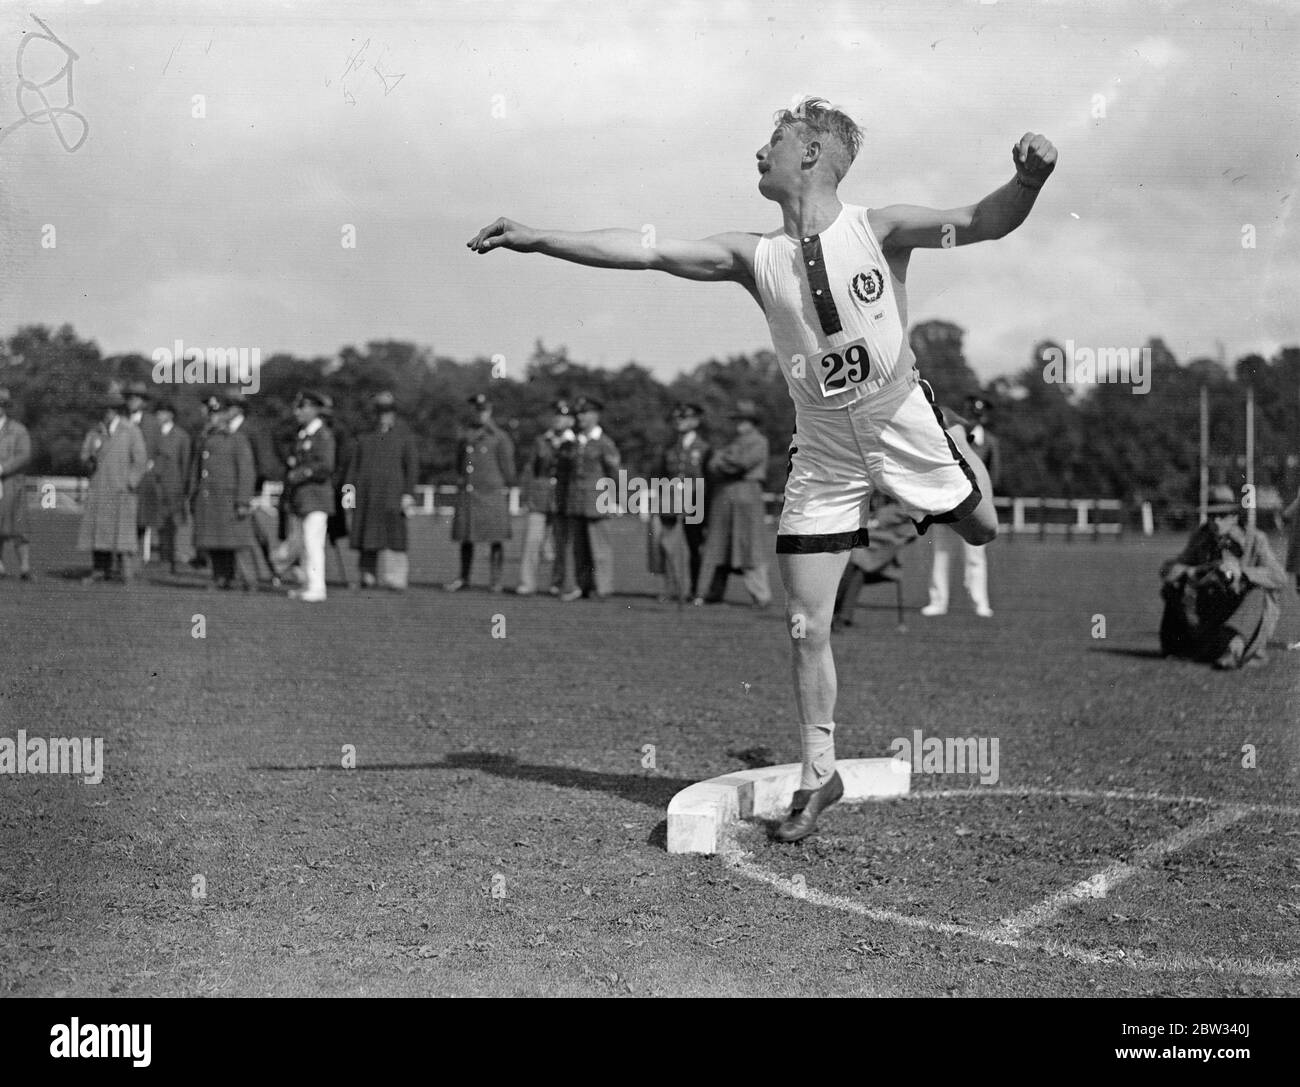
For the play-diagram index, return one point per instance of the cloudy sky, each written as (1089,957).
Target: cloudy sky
(418,123)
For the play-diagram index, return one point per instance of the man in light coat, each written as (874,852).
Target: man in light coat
(736,538)
(114,454)
(15,452)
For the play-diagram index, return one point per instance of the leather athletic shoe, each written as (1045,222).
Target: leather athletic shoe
(806,806)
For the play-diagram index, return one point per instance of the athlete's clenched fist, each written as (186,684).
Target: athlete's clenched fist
(503,234)
(1035,159)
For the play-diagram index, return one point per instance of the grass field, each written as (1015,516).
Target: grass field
(500,835)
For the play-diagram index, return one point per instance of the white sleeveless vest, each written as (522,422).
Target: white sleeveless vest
(833,312)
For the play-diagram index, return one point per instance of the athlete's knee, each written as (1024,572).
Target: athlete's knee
(980,528)
(807,626)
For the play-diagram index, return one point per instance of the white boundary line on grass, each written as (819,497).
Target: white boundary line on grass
(1009,932)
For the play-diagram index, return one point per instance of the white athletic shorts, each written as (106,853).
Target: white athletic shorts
(893,439)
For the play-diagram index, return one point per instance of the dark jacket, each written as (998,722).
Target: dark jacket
(171,475)
(309,478)
(541,478)
(582,465)
(382,469)
(486,464)
(223,490)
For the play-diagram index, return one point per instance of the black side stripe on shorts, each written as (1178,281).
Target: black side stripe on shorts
(815,268)
(971,501)
(828,544)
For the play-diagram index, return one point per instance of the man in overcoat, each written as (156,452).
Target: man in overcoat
(736,538)
(486,466)
(15,453)
(383,473)
(113,453)
(224,481)
(171,480)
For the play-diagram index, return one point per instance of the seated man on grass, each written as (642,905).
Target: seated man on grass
(1222,592)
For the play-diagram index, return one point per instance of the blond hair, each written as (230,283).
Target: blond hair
(841,138)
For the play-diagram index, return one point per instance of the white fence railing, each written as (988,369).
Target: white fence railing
(1042,517)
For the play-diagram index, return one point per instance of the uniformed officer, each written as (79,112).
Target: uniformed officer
(486,465)
(540,493)
(582,545)
(309,492)
(677,534)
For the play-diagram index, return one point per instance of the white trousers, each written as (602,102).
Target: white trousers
(537,535)
(976,579)
(306,545)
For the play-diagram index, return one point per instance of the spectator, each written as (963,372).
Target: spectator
(677,534)
(383,472)
(541,483)
(972,439)
(309,498)
(583,549)
(224,475)
(113,452)
(15,452)
(1221,593)
(890,530)
(171,478)
(266,465)
(486,465)
(736,540)
(336,527)
(138,397)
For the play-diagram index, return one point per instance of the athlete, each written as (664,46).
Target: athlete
(831,283)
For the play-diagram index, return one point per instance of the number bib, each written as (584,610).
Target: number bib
(843,368)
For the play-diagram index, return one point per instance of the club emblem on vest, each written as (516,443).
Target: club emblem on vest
(869,286)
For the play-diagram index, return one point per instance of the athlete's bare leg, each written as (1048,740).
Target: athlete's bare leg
(810,584)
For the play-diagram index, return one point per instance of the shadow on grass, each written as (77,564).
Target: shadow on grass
(653,791)
(1142,654)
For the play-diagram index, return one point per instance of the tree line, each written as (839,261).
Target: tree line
(1058,440)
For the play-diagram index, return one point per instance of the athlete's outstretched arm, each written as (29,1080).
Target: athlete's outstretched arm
(907,226)
(720,257)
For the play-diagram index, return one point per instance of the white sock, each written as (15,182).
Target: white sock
(818,755)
